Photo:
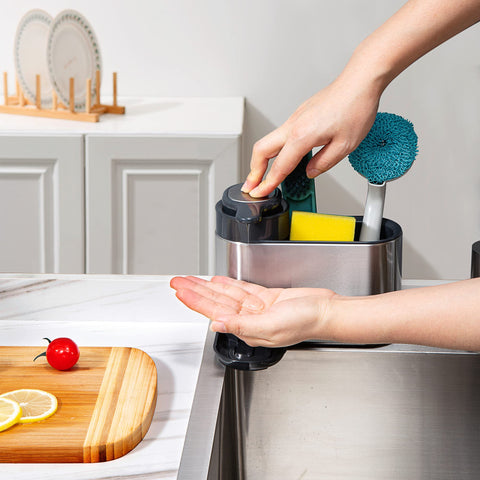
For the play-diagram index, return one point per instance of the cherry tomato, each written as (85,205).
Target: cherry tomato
(62,353)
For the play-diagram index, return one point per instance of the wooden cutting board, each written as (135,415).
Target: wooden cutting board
(105,404)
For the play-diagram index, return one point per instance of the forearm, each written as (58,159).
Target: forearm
(442,316)
(417,28)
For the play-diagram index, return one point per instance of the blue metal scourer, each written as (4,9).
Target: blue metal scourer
(388,151)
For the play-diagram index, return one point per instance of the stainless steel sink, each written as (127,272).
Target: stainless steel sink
(329,412)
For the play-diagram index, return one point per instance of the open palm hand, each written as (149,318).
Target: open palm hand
(270,317)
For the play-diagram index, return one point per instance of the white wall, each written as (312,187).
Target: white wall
(277,53)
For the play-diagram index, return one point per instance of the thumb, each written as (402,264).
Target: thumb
(251,326)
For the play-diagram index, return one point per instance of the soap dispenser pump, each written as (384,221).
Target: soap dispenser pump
(243,219)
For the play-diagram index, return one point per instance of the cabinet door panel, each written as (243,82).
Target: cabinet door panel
(151,202)
(150,226)
(41,191)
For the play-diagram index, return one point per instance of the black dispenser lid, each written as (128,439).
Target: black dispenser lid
(247,209)
(243,218)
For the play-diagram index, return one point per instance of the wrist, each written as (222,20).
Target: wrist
(370,72)
(332,325)
(355,320)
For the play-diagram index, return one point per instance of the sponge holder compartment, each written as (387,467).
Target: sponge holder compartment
(348,268)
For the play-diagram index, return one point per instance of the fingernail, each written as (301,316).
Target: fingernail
(218,327)
(245,188)
(254,192)
(313,172)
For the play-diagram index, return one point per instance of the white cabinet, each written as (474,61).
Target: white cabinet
(41,203)
(132,194)
(151,202)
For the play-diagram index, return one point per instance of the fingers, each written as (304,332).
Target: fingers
(251,288)
(212,299)
(203,305)
(289,143)
(249,328)
(236,293)
(264,150)
(327,158)
(259,316)
(290,155)
(232,305)
(286,161)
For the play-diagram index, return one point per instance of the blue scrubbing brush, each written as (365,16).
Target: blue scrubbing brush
(386,153)
(299,190)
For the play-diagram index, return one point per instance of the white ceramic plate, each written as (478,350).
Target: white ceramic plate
(30,53)
(72,51)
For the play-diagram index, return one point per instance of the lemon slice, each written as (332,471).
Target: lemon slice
(10,413)
(35,404)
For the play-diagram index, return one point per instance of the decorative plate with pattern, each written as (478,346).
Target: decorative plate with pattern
(72,51)
(30,55)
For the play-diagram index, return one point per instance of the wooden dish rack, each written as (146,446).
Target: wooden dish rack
(19,105)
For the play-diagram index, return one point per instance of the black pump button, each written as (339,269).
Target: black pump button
(250,209)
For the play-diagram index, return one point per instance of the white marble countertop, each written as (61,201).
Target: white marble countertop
(137,311)
(175,116)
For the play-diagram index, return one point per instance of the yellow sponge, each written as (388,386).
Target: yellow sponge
(319,227)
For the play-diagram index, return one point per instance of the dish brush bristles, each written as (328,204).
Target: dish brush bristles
(297,185)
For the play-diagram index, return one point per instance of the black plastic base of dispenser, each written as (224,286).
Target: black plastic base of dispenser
(234,353)
(475,272)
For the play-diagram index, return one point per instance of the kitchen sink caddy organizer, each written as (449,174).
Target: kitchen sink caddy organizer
(252,238)
(251,242)
(19,105)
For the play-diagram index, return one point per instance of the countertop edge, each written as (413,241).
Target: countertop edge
(200,434)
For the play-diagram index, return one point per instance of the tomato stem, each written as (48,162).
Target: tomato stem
(44,354)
